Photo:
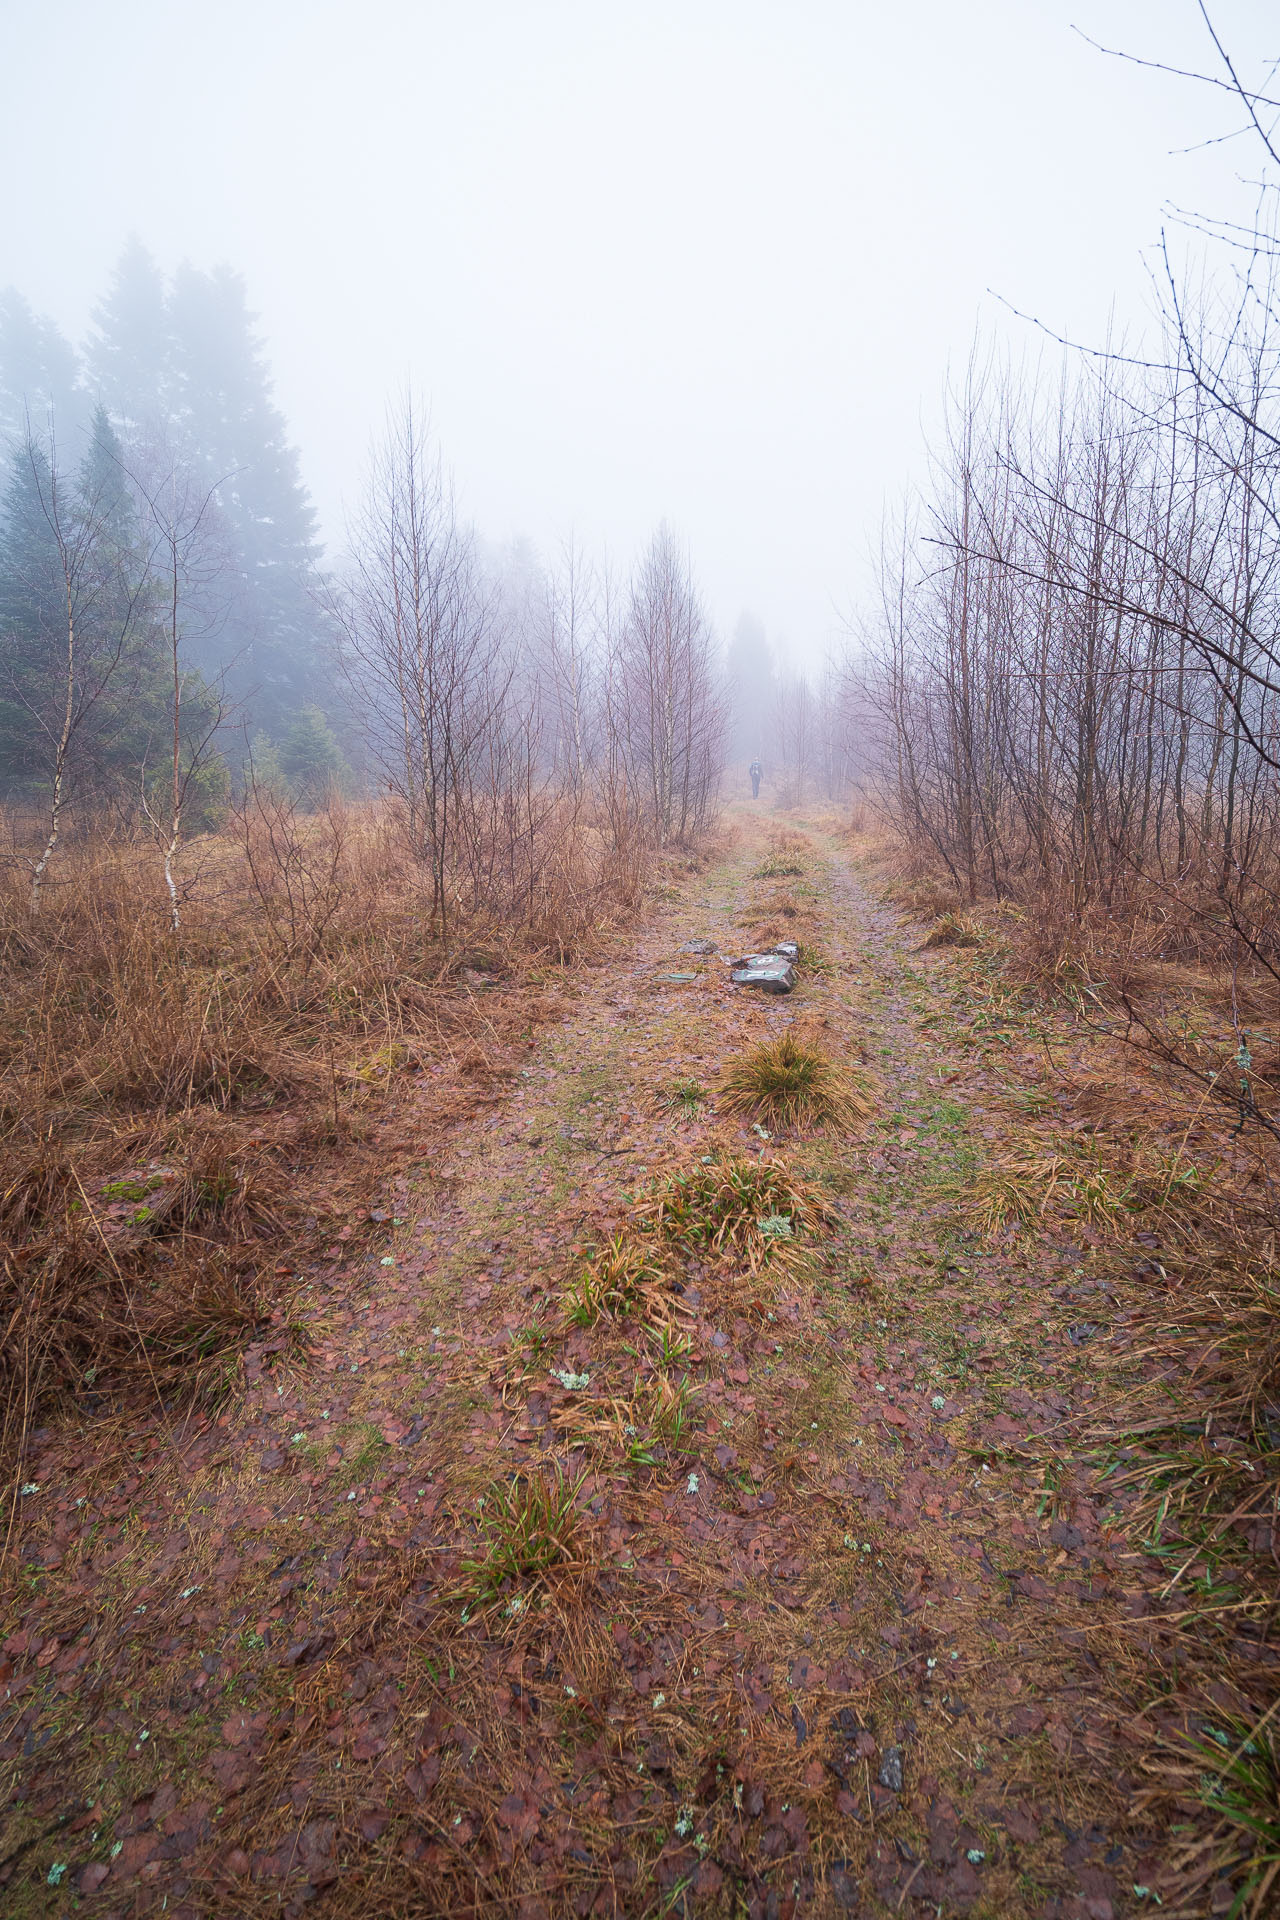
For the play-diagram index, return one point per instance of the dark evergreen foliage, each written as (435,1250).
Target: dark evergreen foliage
(32,619)
(79,637)
(129,355)
(39,374)
(173,379)
(310,758)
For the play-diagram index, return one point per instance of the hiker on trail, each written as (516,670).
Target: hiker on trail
(755,770)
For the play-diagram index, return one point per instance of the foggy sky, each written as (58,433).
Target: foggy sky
(701,259)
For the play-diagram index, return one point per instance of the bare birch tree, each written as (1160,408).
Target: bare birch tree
(668,698)
(180,562)
(425,659)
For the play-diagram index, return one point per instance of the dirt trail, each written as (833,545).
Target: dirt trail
(839,1630)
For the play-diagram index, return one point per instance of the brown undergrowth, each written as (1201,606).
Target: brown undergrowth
(589,1568)
(1158,1148)
(174,1103)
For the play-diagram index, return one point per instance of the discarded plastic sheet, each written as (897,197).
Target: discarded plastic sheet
(771,972)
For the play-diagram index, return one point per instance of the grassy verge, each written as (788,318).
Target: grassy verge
(1142,1135)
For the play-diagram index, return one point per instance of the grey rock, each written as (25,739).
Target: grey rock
(890,1774)
(698,946)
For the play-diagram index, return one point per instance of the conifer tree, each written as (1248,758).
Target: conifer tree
(310,758)
(76,632)
(262,766)
(179,376)
(274,631)
(39,373)
(31,617)
(104,481)
(130,349)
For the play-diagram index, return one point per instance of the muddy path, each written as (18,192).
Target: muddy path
(839,1624)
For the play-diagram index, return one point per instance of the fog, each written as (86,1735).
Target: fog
(709,262)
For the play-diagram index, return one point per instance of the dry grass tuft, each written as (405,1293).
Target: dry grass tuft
(1024,1188)
(1017,1191)
(791,1082)
(622,1277)
(780,906)
(815,962)
(951,930)
(787,858)
(749,1210)
(684,1097)
(654,1425)
(779,866)
(1230,1771)
(924,897)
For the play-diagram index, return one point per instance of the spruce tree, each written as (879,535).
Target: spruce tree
(76,549)
(310,758)
(181,369)
(130,349)
(122,611)
(39,374)
(32,620)
(263,763)
(104,486)
(274,633)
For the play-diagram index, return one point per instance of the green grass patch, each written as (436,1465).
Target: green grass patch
(753,1210)
(530,1528)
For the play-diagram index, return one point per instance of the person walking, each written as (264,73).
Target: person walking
(755,770)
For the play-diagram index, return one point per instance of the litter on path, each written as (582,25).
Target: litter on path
(772,972)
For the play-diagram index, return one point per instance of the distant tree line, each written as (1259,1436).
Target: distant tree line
(169,643)
(508,708)
(815,735)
